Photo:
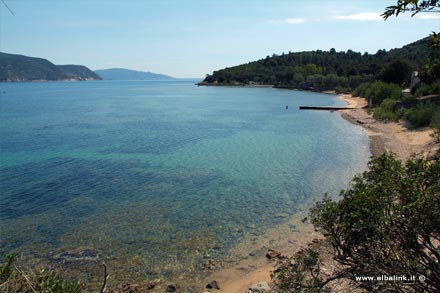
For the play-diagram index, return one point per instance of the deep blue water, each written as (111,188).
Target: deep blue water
(157,174)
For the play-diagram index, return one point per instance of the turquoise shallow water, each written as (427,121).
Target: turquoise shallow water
(153,176)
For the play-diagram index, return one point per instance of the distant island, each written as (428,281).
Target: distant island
(127,74)
(19,68)
(326,70)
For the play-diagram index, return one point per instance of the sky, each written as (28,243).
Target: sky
(192,38)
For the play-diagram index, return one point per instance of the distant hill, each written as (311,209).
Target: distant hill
(127,74)
(23,68)
(321,70)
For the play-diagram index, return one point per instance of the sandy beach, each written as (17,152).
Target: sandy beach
(388,136)
(239,276)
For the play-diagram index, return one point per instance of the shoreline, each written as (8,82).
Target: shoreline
(237,84)
(388,136)
(383,136)
(250,268)
(252,265)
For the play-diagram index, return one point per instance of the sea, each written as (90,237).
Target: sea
(155,177)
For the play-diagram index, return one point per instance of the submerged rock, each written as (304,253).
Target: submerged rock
(172,288)
(281,215)
(210,265)
(260,287)
(133,288)
(274,254)
(78,255)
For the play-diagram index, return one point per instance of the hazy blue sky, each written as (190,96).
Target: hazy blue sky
(191,38)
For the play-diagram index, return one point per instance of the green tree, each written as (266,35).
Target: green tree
(351,68)
(432,69)
(413,6)
(378,91)
(301,274)
(388,223)
(298,79)
(398,72)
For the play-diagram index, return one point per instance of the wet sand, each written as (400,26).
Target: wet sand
(248,270)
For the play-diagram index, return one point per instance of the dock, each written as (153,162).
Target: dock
(324,108)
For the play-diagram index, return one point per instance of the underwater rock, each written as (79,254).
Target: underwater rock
(274,254)
(172,288)
(75,255)
(134,288)
(281,215)
(213,285)
(260,287)
(210,264)
(152,284)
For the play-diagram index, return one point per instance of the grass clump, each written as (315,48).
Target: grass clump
(15,279)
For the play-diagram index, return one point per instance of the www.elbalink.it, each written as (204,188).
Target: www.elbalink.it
(398,278)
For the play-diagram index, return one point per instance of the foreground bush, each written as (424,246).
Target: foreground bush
(302,274)
(387,224)
(14,279)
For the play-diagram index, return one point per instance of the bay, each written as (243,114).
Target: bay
(152,177)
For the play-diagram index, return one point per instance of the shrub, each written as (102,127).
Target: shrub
(378,91)
(421,115)
(388,223)
(341,89)
(13,279)
(361,90)
(435,122)
(301,274)
(6,270)
(427,89)
(386,111)
(47,282)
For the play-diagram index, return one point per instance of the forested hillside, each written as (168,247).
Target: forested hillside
(23,68)
(327,69)
(78,71)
